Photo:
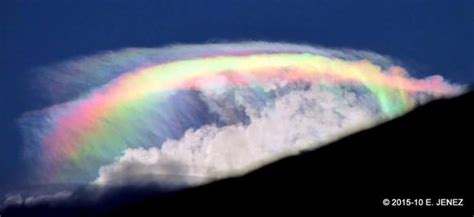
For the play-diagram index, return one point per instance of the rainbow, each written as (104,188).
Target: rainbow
(117,115)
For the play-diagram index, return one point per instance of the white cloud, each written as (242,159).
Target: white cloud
(47,198)
(13,200)
(252,126)
(38,199)
(297,120)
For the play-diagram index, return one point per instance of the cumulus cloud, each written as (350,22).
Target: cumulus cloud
(187,114)
(300,119)
(12,200)
(47,198)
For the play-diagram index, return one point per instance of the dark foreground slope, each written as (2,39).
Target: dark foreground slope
(422,155)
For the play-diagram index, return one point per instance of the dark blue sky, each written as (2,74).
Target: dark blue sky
(432,37)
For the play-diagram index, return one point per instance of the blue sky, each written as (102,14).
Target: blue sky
(429,36)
